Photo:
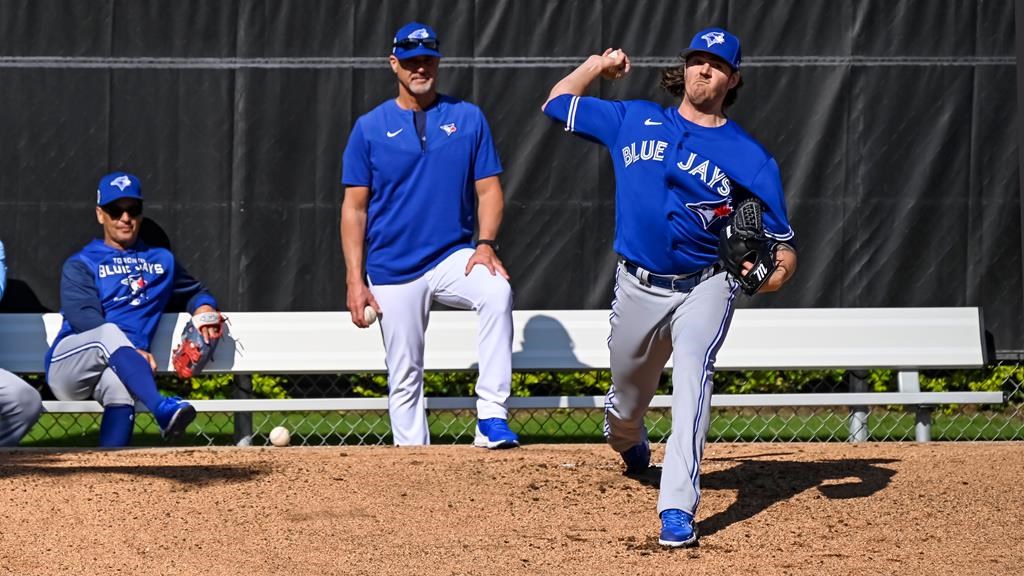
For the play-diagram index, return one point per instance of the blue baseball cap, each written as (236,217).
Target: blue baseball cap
(415,39)
(716,41)
(117,185)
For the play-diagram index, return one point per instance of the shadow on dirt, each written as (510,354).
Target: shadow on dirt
(759,484)
(36,464)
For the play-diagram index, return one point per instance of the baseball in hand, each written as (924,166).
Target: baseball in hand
(614,53)
(280,436)
(369,314)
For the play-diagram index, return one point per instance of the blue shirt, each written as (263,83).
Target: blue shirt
(129,288)
(422,193)
(675,181)
(3,270)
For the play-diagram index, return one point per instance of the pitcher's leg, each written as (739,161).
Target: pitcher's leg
(405,312)
(699,327)
(640,344)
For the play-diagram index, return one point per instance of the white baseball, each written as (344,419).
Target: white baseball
(280,436)
(614,53)
(369,314)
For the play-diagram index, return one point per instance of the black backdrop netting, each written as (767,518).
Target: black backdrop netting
(894,125)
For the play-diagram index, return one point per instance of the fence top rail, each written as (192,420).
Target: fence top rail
(328,342)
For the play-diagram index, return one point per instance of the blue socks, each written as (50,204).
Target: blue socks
(117,424)
(137,376)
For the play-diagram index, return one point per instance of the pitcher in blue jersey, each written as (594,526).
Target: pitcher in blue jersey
(421,176)
(678,173)
(112,293)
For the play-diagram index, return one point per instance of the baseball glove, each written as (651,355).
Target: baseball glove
(741,240)
(193,353)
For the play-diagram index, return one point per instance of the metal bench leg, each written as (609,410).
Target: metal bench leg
(243,420)
(858,414)
(923,427)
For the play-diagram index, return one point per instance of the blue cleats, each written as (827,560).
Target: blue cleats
(174,415)
(494,433)
(637,458)
(677,529)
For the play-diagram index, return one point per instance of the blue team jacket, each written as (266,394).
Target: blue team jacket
(129,288)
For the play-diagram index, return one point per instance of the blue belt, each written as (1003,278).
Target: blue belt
(673,283)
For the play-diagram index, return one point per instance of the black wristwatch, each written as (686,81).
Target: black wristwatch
(492,243)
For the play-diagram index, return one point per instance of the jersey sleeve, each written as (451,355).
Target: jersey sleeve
(187,287)
(79,299)
(486,163)
(355,163)
(767,186)
(592,118)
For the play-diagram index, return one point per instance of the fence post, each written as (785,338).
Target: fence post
(858,414)
(243,420)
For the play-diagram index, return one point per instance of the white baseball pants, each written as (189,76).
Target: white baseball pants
(405,312)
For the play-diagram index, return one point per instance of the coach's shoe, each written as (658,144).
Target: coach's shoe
(494,433)
(677,529)
(174,415)
(637,458)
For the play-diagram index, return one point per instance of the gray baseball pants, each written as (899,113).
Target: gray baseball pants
(649,325)
(20,407)
(80,368)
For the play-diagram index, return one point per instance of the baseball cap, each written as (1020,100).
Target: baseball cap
(117,185)
(415,39)
(717,41)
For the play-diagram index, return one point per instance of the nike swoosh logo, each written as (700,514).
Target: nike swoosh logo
(650,122)
(119,298)
(395,133)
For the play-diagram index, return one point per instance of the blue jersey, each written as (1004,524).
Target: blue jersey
(675,181)
(129,288)
(422,194)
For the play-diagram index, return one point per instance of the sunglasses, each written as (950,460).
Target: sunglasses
(115,211)
(410,43)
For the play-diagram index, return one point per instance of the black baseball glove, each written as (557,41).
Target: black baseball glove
(741,240)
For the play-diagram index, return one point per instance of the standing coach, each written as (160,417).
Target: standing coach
(421,175)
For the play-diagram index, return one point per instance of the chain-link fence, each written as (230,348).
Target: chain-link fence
(362,427)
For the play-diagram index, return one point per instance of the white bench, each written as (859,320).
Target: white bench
(905,339)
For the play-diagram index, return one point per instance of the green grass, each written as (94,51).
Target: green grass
(537,426)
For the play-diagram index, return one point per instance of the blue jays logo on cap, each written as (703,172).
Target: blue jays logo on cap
(718,42)
(117,185)
(415,39)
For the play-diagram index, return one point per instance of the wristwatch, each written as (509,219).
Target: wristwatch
(492,243)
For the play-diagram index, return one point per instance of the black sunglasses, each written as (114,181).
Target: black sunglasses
(409,43)
(115,211)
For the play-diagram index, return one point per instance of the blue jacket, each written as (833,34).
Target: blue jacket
(129,288)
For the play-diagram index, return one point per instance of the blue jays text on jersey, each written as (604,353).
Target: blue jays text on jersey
(422,191)
(675,180)
(129,288)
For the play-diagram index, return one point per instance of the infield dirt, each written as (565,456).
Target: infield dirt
(543,509)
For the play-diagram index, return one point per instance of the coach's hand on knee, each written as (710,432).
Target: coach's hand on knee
(488,258)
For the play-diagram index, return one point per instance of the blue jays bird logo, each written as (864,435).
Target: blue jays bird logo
(709,212)
(121,182)
(419,34)
(137,284)
(449,129)
(713,38)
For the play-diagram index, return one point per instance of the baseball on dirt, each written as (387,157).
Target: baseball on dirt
(280,436)
(369,314)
